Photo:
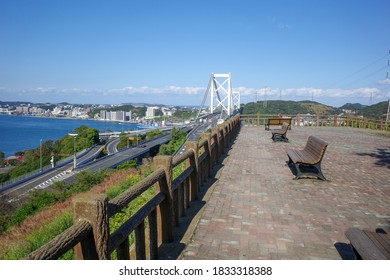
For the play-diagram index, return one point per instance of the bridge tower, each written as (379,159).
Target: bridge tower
(221,96)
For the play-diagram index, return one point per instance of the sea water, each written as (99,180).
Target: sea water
(19,133)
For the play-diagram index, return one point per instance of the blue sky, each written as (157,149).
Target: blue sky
(333,51)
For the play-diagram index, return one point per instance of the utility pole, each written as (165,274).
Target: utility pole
(388,105)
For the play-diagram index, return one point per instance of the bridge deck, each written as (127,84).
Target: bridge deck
(257,211)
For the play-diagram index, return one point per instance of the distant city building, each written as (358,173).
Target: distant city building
(37,111)
(57,110)
(167,111)
(128,116)
(105,115)
(115,115)
(23,109)
(150,111)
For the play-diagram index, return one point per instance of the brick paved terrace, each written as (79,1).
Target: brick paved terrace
(255,210)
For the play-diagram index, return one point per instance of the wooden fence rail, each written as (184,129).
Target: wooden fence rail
(154,223)
(318,120)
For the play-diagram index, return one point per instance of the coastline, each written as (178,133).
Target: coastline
(25,132)
(66,118)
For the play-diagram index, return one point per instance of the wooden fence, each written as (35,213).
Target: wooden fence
(318,120)
(90,236)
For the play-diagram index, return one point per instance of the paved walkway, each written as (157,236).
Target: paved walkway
(257,211)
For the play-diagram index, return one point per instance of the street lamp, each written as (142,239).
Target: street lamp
(40,154)
(137,134)
(74,148)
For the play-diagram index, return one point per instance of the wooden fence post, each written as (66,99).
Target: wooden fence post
(214,147)
(236,124)
(223,138)
(217,143)
(335,120)
(229,132)
(93,208)
(166,209)
(207,136)
(227,127)
(193,161)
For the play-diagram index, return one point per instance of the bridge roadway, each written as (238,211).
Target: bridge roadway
(85,163)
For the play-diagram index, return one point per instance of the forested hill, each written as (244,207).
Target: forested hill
(376,111)
(288,108)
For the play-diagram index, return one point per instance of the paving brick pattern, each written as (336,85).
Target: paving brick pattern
(257,210)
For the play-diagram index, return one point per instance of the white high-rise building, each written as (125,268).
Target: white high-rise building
(150,112)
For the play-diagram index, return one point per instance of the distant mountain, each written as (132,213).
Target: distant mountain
(13,103)
(288,107)
(353,106)
(376,111)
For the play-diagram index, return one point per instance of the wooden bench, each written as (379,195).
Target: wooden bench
(368,245)
(308,161)
(280,134)
(277,121)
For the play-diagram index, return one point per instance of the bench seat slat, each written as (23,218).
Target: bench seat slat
(311,155)
(277,121)
(369,245)
(382,241)
(280,134)
(298,156)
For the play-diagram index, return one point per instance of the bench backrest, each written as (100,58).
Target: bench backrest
(316,148)
(284,128)
(276,121)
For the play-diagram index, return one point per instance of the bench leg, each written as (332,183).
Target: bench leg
(301,173)
(279,137)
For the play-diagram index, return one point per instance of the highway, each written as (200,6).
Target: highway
(111,146)
(115,159)
(47,178)
(87,162)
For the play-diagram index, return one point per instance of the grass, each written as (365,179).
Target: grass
(39,227)
(47,214)
(40,236)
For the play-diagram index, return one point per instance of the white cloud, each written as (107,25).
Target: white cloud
(194,95)
(308,92)
(156,90)
(384,82)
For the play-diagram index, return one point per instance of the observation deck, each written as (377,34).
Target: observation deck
(255,210)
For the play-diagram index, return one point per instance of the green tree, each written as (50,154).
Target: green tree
(152,134)
(123,141)
(86,137)
(178,137)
